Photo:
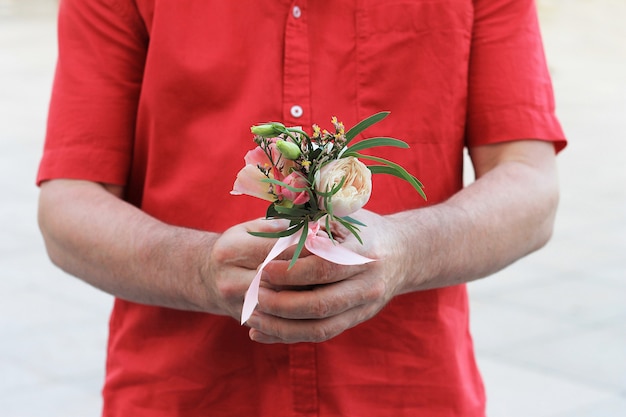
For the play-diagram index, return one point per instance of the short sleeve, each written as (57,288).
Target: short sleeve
(510,90)
(93,108)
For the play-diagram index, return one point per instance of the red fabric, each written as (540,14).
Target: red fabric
(159,96)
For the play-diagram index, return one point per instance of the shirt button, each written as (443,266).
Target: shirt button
(296,111)
(296,12)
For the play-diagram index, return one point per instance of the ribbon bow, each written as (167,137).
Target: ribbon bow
(320,245)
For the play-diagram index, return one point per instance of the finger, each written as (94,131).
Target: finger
(266,225)
(271,329)
(338,231)
(310,270)
(287,254)
(321,301)
(238,247)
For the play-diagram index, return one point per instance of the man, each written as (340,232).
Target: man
(148,126)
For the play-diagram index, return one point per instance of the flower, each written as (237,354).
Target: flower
(295,180)
(258,157)
(268,130)
(288,149)
(249,182)
(259,167)
(355,191)
(310,179)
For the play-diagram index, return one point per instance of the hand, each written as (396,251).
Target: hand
(234,259)
(317,300)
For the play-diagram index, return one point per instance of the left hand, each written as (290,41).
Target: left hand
(316,300)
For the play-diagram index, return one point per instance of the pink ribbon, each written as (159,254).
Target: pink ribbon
(320,245)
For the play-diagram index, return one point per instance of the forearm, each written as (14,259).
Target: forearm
(112,245)
(506,214)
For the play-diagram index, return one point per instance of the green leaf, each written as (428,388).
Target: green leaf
(353,221)
(384,169)
(351,228)
(333,190)
(276,235)
(282,184)
(315,154)
(313,201)
(375,142)
(396,170)
(271,211)
(328,232)
(319,215)
(364,124)
(296,254)
(328,205)
(295,211)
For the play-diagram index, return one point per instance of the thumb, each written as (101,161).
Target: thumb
(266,225)
(262,245)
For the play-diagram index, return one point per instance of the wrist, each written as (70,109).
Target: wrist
(413,245)
(202,292)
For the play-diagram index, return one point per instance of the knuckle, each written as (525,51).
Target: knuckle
(227,290)
(271,327)
(376,290)
(321,308)
(321,333)
(277,332)
(325,272)
(220,253)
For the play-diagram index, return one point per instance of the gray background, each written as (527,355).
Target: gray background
(550,331)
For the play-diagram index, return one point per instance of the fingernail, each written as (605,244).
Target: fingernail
(255,335)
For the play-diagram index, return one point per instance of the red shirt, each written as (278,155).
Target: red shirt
(159,96)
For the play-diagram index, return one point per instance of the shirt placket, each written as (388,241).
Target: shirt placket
(297,112)
(303,376)
(296,68)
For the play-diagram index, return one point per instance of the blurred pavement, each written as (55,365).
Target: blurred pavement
(550,331)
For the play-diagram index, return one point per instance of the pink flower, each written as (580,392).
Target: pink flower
(258,167)
(249,182)
(257,157)
(249,179)
(296,180)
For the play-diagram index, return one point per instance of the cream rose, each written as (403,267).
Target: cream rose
(356,188)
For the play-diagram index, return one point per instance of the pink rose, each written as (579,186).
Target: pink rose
(296,180)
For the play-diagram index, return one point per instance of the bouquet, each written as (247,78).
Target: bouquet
(313,180)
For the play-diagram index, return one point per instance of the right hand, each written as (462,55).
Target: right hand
(233,263)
